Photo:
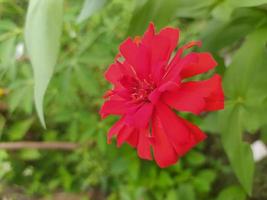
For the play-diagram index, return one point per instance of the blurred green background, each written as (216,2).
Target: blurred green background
(220,168)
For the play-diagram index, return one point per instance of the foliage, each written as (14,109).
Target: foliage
(71,43)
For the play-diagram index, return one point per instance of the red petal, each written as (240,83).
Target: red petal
(178,63)
(203,63)
(196,96)
(196,136)
(168,86)
(114,130)
(142,62)
(143,148)
(175,130)
(129,50)
(173,36)
(133,138)
(174,71)
(137,56)
(126,69)
(176,59)
(122,93)
(141,117)
(155,95)
(124,133)
(149,35)
(182,134)
(158,71)
(164,153)
(215,101)
(160,47)
(113,107)
(113,73)
(118,70)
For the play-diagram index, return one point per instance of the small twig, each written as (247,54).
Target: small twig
(67,146)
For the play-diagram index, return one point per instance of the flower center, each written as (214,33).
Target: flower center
(142,90)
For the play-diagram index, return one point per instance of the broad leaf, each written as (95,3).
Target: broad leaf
(158,11)
(245,80)
(243,21)
(238,152)
(203,180)
(42,35)
(246,77)
(89,8)
(232,193)
(19,129)
(194,8)
(224,10)
(245,87)
(7,53)
(186,192)
(30,154)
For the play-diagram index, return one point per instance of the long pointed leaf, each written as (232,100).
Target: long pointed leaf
(42,35)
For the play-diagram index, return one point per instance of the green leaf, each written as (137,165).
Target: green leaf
(171,195)
(66,177)
(195,158)
(2,124)
(211,123)
(7,25)
(119,167)
(194,8)
(90,7)
(158,11)
(243,21)
(186,192)
(232,193)
(19,129)
(224,10)
(87,83)
(164,180)
(250,59)
(203,180)
(245,80)
(7,53)
(30,154)
(245,89)
(238,152)
(134,170)
(254,113)
(20,97)
(42,35)
(101,141)
(263,135)
(3,155)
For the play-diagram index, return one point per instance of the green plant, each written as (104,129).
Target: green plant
(69,44)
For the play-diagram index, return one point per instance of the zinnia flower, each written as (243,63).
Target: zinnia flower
(148,83)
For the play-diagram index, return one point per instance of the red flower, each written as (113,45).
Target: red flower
(148,83)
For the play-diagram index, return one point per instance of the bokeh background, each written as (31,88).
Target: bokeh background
(229,165)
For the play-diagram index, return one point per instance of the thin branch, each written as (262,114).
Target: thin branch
(67,146)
